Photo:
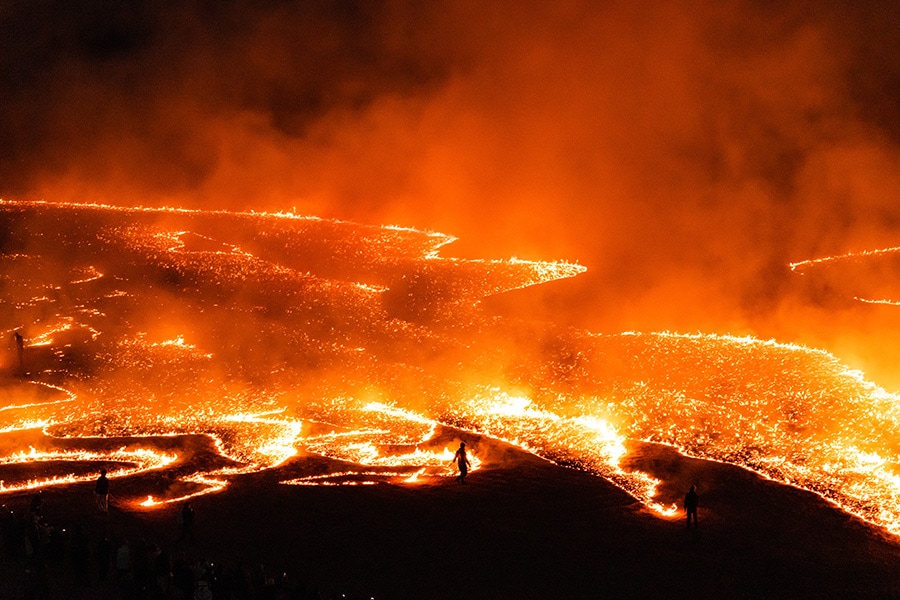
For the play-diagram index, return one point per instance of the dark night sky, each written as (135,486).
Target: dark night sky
(684,152)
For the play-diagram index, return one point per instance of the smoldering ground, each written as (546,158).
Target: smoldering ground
(684,152)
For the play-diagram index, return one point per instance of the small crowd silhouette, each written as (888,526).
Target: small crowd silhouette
(41,560)
(144,570)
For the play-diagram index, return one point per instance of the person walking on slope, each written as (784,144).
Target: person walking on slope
(462,461)
(691,500)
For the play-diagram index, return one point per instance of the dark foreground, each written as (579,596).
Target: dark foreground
(520,528)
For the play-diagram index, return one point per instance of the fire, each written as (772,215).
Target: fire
(24,425)
(212,344)
(869,276)
(882,301)
(282,441)
(364,477)
(46,338)
(401,430)
(88,274)
(414,478)
(801,266)
(586,441)
(141,459)
(208,485)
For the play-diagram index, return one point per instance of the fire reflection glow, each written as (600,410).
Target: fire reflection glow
(213,345)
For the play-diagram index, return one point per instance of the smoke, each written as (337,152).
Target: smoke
(684,152)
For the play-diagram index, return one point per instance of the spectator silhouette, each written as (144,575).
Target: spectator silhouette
(691,500)
(81,556)
(102,557)
(101,490)
(36,501)
(124,576)
(163,570)
(20,350)
(187,524)
(201,588)
(183,577)
(54,565)
(462,461)
(140,567)
(8,531)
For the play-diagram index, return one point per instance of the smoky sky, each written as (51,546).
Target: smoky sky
(685,152)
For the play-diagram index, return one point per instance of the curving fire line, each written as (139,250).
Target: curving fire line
(220,344)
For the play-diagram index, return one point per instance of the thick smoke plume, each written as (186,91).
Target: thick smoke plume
(684,152)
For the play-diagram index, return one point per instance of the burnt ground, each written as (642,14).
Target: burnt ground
(520,528)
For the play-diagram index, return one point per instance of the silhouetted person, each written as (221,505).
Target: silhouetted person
(102,557)
(101,491)
(8,531)
(81,556)
(37,540)
(691,500)
(163,569)
(462,461)
(201,588)
(20,350)
(36,501)
(124,575)
(187,524)
(183,577)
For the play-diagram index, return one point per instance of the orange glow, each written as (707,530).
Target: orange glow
(210,345)
(208,483)
(141,459)
(803,265)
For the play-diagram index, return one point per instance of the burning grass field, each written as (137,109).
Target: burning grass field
(521,527)
(305,383)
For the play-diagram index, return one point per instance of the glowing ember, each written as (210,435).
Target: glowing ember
(140,459)
(870,276)
(228,343)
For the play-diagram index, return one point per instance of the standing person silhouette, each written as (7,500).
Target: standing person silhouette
(187,524)
(462,461)
(20,350)
(101,490)
(691,500)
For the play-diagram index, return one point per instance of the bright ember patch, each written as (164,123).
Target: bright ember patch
(214,344)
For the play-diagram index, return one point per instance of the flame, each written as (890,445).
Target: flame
(89,274)
(586,441)
(866,276)
(209,485)
(799,266)
(142,459)
(230,343)
(882,301)
(46,337)
(414,478)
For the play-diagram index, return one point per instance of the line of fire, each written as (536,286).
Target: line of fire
(185,349)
